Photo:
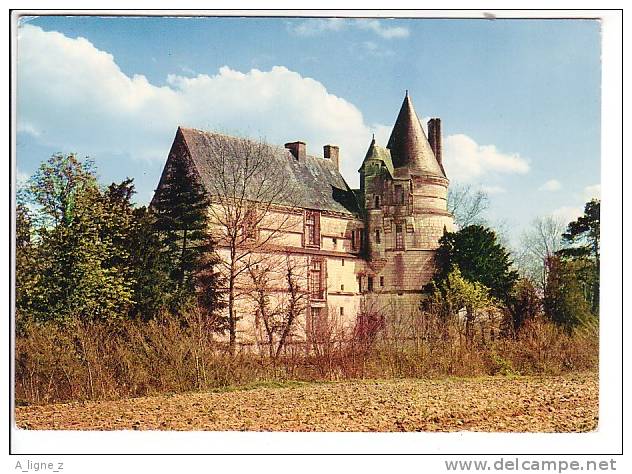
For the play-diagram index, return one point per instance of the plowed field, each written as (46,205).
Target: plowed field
(564,403)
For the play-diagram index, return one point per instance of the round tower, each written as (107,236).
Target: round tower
(405,196)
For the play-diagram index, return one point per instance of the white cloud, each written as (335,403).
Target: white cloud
(371,48)
(75,97)
(493,189)
(567,214)
(387,32)
(318,26)
(465,160)
(551,185)
(592,191)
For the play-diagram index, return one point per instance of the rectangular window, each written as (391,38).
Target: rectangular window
(399,194)
(335,242)
(312,228)
(249,227)
(399,237)
(353,240)
(342,311)
(343,262)
(381,281)
(359,279)
(342,288)
(316,280)
(370,284)
(377,236)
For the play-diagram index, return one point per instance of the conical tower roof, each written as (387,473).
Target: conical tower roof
(409,146)
(377,153)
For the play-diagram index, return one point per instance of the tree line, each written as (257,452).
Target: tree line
(554,275)
(86,250)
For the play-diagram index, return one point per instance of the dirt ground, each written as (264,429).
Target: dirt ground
(533,404)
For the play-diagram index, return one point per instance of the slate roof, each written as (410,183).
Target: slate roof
(376,152)
(408,145)
(315,182)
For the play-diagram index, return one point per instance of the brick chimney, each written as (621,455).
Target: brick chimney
(332,152)
(434,137)
(298,149)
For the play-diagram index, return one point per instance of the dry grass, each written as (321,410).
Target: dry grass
(533,404)
(99,361)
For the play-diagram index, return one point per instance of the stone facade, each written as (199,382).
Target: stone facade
(349,246)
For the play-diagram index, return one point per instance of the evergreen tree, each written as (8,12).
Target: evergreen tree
(181,221)
(479,257)
(565,303)
(583,239)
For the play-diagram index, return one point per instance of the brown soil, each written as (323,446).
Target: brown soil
(564,403)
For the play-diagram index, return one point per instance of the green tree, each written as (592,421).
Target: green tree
(137,251)
(565,302)
(524,304)
(582,237)
(455,292)
(479,257)
(153,288)
(78,270)
(26,264)
(180,207)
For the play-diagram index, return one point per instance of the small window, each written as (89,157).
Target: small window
(343,262)
(342,311)
(359,279)
(399,237)
(370,284)
(399,194)
(353,239)
(377,236)
(377,202)
(335,242)
(342,288)
(381,281)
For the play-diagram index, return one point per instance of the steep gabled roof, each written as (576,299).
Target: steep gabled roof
(315,182)
(409,146)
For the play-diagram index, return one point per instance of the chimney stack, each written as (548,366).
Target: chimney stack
(298,149)
(434,137)
(332,152)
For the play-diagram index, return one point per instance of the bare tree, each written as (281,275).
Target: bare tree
(467,205)
(538,244)
(251,210)
(281,296)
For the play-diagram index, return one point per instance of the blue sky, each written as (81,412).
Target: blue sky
(519,99)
